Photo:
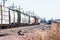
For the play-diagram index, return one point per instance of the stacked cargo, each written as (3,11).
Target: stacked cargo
(13,16)
(24,18)
(32,20)
(5,15)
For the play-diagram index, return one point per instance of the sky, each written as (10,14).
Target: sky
(42,8)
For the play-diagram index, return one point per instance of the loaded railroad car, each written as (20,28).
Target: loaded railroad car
(9,18)
(4,17)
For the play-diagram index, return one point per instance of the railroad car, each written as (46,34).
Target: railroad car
(4,17)
(9,18)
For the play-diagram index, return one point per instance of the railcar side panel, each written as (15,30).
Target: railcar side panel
(32,20)
(24,18)
(11,16)
(5,15)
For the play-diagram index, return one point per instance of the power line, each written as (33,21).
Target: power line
(4,2)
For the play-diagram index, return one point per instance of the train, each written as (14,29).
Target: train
(10,18)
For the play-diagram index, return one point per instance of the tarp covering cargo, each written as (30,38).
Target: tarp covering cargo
(4,15)
(32,20)
(13,16)
(24,18)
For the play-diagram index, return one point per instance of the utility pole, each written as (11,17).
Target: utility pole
(4,2)
(13,12)
(33,13)
(12,7)
(9,18)
(29,18)
(19,16)
(1,14)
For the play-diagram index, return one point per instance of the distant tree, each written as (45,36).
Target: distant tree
(43,20)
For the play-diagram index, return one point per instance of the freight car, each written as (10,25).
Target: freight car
(4,17)
(10,18)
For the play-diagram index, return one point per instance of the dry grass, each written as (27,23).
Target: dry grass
(53,34)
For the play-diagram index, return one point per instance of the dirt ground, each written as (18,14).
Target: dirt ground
(36,32)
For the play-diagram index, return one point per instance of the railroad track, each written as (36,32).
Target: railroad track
(15,30)
(24,29)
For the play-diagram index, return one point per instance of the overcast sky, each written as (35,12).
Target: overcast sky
(43,8)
